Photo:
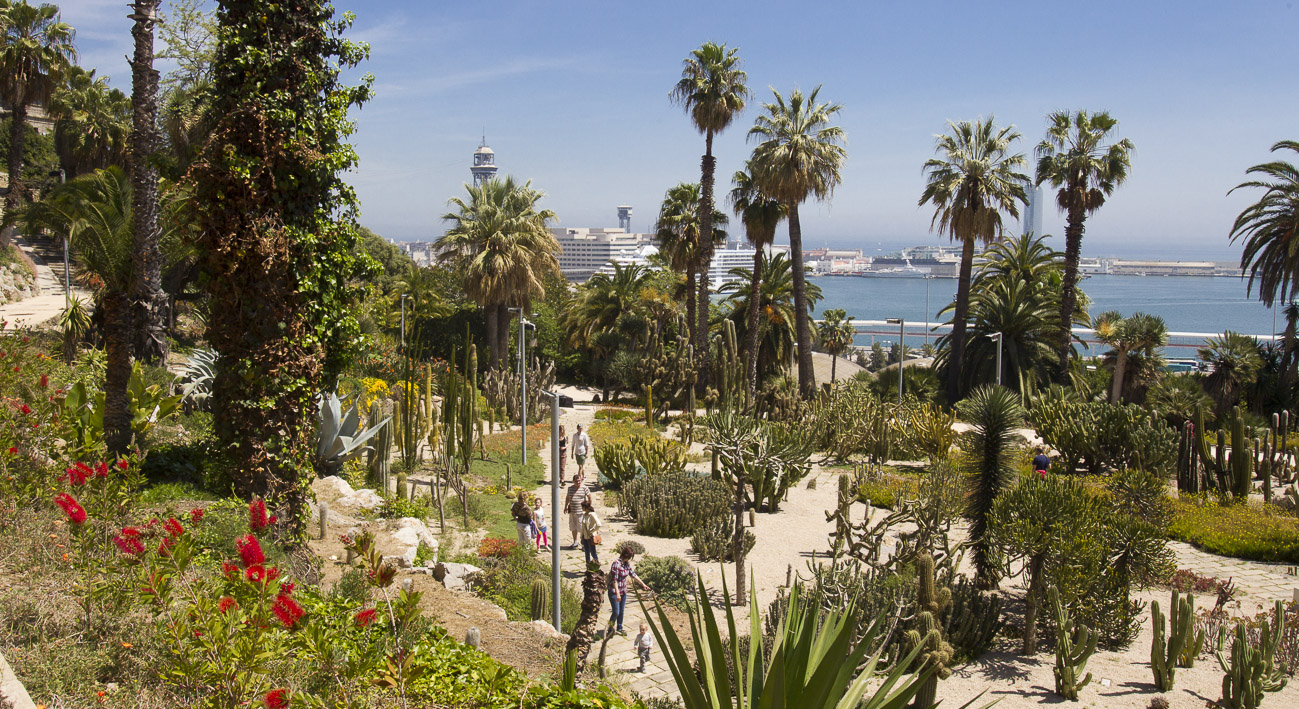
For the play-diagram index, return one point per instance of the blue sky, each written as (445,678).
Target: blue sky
(573,95)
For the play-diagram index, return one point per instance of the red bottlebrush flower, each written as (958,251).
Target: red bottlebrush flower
(256,574)
(272,573)
(286,589)
(13,450)
(276,699)
(287,610)
(44,381)
(25,409)
(196,515)
(364,618)
(230,570)
(172,525)
(101,469)
(123,464)
(257,520)
(74,476)
(73,509)
(164,549)
(129,541)
(17,368)
(250,550)
(226,603)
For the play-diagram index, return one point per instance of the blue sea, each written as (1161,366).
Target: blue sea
(1191,304)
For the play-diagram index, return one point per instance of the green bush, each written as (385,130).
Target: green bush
(507,582)
(671,578)
(713,540)
(394,507)
(673,505)
(1240,530)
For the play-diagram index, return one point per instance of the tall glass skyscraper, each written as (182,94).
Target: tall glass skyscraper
(1030,217)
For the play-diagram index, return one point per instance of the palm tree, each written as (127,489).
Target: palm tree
(1014,310)
(91,123)
(500,241)
(1270,228)
(760,216)
(607,303)
(94,210)
(1234,362)
(1077,159)
(836,333)
(970,184)
(678,228)
(777,319)
(36,51)
(800,156)
(1139,333)
(149,305)
(995,413)
(713,92)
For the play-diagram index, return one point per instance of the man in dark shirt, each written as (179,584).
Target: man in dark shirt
(1040,461)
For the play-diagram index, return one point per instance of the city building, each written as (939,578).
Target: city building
(484,167)
(1030,221)
(583,251)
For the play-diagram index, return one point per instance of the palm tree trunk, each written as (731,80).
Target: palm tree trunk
(708,167)
(117,375)
(751,338)
(737,543)
(1073,233)
(1116,387)
(593,587)
(148,307)
(18,120)
(834,364)
(802,326)
(690,306)
(956,354)
(503,322)
(493,334)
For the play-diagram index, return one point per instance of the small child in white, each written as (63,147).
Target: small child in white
(643,642)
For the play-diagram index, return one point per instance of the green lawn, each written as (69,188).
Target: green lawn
(503,450)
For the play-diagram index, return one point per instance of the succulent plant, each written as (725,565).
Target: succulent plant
(714,540)
(1252,671)
(1167,652)
(540,598)
(196,378)
(674,505)
(1074,645)
(340,437)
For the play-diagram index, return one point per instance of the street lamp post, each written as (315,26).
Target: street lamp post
(554,507)
(928,278)
(998,337)
(902,350)
(523,382)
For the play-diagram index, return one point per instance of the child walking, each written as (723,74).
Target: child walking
(643,642)
(539,528)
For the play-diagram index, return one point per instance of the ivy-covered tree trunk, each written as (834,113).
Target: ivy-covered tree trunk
(1073,234)
(18,120)
(148,304)
(593,587)
(708,168)
(117,372)
(277,235)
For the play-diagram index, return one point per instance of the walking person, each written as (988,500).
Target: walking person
(522,512)
(582,448)
(577,494)
(1041,462)
(590,531)
(643,642)
(563,454)
(539,524)
(619,572)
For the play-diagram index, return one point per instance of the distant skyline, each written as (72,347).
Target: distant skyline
(574,96)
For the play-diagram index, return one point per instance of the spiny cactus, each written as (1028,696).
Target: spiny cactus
(1251,671)
(936,652)
(842,514)
(1074,645)
(674,505)
(1167,652)
(540,598)
(380,455)
(975,619)
(714,540)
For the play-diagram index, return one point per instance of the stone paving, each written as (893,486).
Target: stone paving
(1257,583)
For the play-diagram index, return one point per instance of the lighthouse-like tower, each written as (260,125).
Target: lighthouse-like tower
(484,167)
(624,217)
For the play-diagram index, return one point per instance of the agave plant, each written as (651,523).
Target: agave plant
(196,378)
(813,663)
(340,437)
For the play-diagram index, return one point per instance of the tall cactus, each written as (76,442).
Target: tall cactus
(540,598)
(380,456)
(937,652)
(1252,671)
(1074,645)
(1168,652)
(842,513)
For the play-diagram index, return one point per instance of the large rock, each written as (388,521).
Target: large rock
(331,488)
(453,575)
(409,533)
(364,499)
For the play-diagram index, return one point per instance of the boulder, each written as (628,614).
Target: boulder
(331,488)
(453,575)
(364,499)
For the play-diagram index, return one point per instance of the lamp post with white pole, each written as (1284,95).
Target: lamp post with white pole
(928,278)
(554,507)
(902,350)
(523,382)
(998,337)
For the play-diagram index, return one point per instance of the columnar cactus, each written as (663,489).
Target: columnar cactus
(540,598)
(1250,671)
(937,652)
(1168,652)
(1074,645)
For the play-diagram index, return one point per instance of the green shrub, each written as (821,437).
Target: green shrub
(619,462)
(1142,495)
(1101,436)
(223,522)
(1241,530)
(352,587)
(671,578)
(673,505)
(603,433)
(507,582)
(394,507)
(713,540)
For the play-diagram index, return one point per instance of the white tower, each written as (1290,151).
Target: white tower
(624,217)
(1031,218)
(484,167)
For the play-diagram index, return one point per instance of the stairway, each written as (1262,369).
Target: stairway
(47,254)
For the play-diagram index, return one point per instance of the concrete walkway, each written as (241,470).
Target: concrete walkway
(1257,583)
(41,309)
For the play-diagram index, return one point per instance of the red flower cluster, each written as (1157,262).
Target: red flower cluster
(73,509)
(276,699)
(226,603)
(257,519)
(196,515)
(122,464)
(13,450)
(230,570)
(250,551)
(79,473)
(44,381)
(172,525)
(287,610)
(164,548)
(129,541)
(364,618)
(497,548)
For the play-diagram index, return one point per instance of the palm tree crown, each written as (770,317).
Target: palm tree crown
(712,87)
(971,182)
(1139,335)
(91,122)
(1270,228)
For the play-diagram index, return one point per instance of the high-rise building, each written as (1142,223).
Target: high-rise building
(484,167)
(583,251)
(1030,221)
(624,217)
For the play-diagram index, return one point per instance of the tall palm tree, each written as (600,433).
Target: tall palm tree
(679,225)
(971,182)
(36,51)
(1138,333)
(501,242)
(712,90)
(777,316)
(760,216)
(95,211)
(149,304)
(800,155)
(836,333)
(1270,228)
(91,123)
(1234,363)
(1289,339)
(606,303)
(1078,159)
(1013,311)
